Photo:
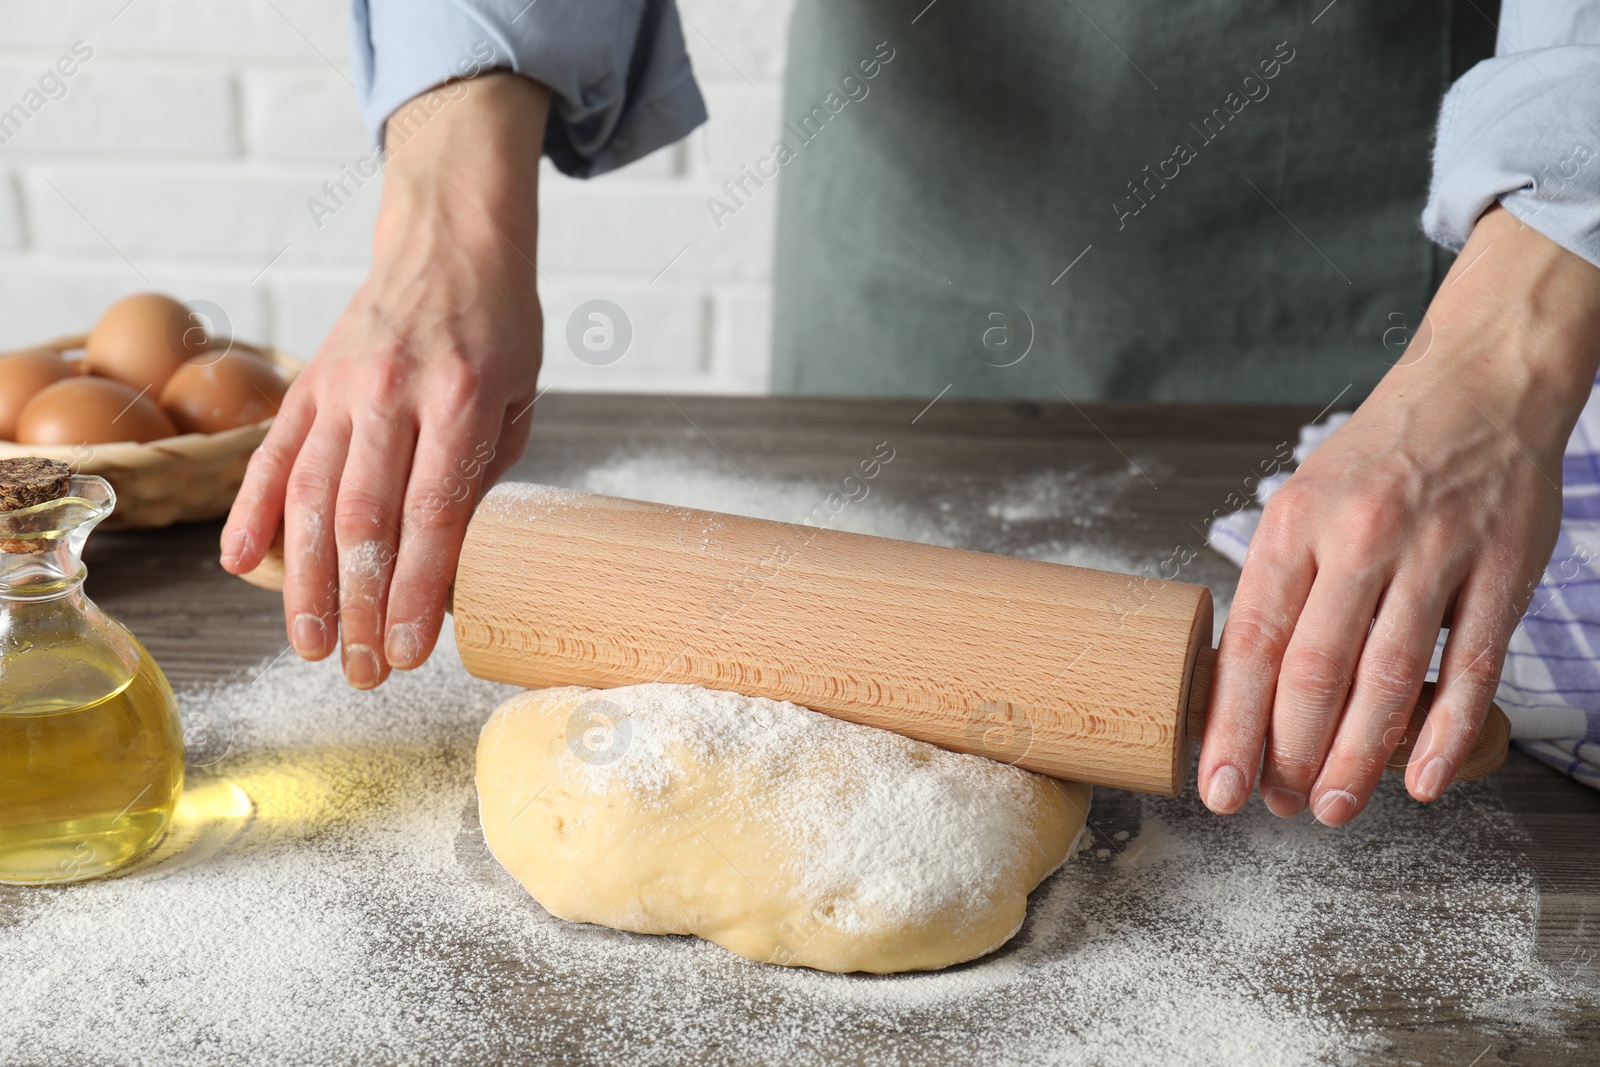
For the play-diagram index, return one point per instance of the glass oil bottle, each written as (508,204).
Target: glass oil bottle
(91,745)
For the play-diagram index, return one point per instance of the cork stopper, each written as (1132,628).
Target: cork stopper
(29,480)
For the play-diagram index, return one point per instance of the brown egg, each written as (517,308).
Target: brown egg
(220,391)
(22,374)
(143,339)
(91,411)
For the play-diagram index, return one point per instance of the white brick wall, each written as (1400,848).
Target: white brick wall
(182,152)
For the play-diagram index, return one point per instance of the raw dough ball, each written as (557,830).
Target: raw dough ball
(779,833)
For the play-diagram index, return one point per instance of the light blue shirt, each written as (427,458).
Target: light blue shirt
(1522,128)
(617,69)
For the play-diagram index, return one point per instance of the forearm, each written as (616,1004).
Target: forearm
(1515,327)
(464,180)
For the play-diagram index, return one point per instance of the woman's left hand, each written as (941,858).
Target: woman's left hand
(1436,505)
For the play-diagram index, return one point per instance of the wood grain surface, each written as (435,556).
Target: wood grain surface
(1176,467)
(1068,671)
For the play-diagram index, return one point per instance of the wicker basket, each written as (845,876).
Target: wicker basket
(187,478)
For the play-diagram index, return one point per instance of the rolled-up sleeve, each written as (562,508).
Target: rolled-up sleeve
(617,70)
(1523,128)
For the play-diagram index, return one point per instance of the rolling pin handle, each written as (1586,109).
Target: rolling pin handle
(268,574)
(1485,758)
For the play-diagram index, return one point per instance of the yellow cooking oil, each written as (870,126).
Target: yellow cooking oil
(91,746)
(87,786)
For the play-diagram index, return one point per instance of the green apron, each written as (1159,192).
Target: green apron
(1206,201)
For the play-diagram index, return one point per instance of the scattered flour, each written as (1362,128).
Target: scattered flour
(359,918)
(526,493)
(669,479)
(356,916)
(1077,498)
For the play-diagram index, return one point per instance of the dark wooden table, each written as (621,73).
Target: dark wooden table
(1151,476)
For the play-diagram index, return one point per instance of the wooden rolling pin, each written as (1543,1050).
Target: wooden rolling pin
(1080,674)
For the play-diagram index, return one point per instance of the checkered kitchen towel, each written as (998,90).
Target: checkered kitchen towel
(1550,688)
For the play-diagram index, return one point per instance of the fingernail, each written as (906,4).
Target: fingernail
(1284,802)
(1226,792)
(234,547)
(361,666)
(402,647)
(1334,807)
(308,635)
(1434,778)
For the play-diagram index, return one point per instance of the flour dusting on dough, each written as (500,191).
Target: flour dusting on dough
(897,827)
